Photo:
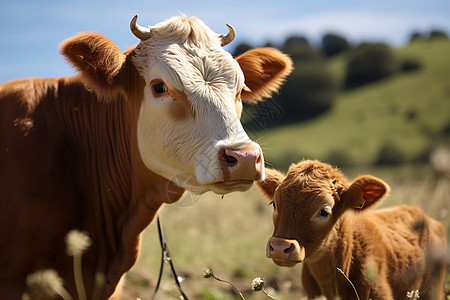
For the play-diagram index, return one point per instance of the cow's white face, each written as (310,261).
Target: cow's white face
(189,129)
(188,126)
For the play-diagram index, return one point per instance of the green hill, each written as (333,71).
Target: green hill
(398,119)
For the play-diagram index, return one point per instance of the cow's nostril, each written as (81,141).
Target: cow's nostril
(241,163)
(231,160)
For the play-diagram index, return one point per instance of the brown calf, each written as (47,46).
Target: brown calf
(321,220)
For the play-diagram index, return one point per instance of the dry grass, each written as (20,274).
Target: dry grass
(228,235)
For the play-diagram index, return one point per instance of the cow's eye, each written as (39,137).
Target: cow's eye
(273,204)
(159,88)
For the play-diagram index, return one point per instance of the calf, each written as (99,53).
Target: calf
(321,219)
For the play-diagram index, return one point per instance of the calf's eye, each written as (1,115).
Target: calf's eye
(324,213)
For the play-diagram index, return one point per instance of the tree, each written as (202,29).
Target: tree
(436,33)
(409,65)
(308,91)
(369,62)
(241,48)
(333,44)
(416,36)
(299,49)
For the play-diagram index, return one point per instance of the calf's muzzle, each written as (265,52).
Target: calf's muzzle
(285,252)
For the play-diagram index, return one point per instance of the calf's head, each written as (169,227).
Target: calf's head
(308,203)
(189,93)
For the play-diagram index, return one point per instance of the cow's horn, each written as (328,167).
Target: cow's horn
(226,39)
(139,31)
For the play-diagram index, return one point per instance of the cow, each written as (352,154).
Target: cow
(103,150)
(320,219)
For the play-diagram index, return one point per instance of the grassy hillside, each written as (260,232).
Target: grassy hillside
(405,114)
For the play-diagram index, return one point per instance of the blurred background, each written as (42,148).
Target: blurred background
(370,93)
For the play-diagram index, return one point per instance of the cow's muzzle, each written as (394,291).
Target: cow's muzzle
(244,162)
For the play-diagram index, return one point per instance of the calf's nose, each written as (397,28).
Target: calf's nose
(242,162)
(280,249)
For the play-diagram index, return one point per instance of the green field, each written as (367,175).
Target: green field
(406,112)
(406,116)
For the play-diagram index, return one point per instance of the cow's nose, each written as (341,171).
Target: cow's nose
(242,162)
(284,250)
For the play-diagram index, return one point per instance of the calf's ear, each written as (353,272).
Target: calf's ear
(273,179)
(365,191)
(97,58)
(265,70)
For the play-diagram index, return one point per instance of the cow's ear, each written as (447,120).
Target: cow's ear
(273,179)
(265,70)
(365,191)
(97,58)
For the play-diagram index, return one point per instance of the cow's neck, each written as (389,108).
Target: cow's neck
(102,139)
(120,195)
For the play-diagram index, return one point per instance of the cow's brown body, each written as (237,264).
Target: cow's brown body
(384,253)
(78,152)
(103,187)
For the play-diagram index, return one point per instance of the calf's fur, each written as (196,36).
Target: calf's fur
(385,253)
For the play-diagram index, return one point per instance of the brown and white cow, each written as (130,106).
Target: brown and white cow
(321,220)
(103,150)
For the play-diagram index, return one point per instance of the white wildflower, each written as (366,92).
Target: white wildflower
(77,242)
(207,273)
(413,295)
(257,284)
(46,284)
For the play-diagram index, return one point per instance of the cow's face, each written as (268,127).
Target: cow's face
(308,203)
(189,92)
(189,129)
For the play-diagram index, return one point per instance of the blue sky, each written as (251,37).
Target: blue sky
(30,31)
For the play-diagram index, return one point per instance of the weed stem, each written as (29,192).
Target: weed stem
(79,276)
(267,294)
(235,289)
(342,272)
